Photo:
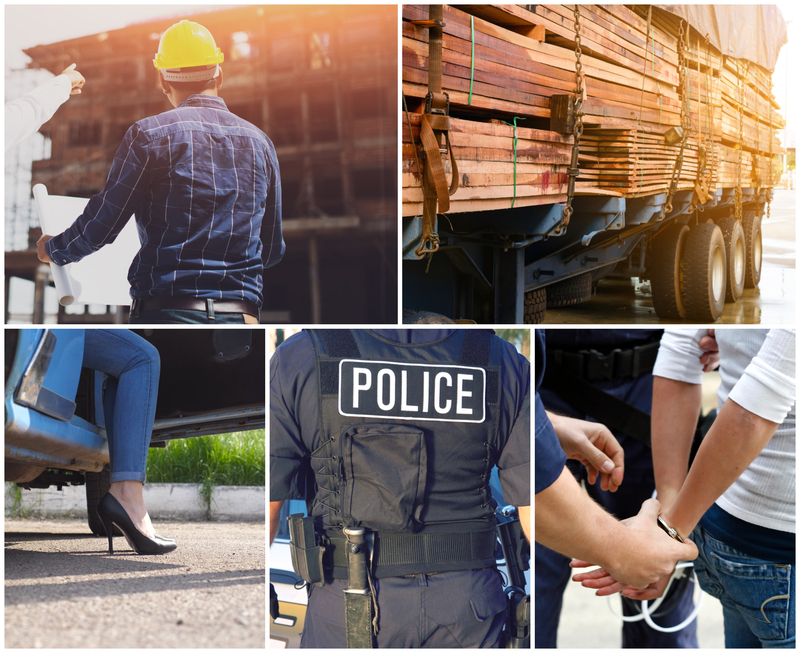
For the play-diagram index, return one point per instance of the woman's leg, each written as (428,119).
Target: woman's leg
(133,366)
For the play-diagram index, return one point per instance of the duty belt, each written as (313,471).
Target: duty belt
(592,365)
(399,554)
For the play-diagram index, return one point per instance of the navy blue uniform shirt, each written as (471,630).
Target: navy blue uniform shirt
(550,457)
(294,415)
(206,190)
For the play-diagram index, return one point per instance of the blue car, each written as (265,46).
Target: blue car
(212,381)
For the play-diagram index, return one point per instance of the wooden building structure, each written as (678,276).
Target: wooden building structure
(321,82)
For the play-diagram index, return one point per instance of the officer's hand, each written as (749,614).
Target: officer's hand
(594,446)
(649,555)
(710,359)
(41,252)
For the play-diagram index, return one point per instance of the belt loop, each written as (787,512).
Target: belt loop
(210,310)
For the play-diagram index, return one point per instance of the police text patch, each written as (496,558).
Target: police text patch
(448,393)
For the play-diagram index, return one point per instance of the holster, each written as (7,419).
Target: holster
(306,553)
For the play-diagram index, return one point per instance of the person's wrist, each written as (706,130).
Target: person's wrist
(673,519)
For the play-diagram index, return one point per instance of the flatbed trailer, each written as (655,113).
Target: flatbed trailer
(675,192)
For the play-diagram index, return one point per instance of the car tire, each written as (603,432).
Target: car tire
(666,257)
(733,234)
(569,292)
(535,306)
(751,224)
(704,273)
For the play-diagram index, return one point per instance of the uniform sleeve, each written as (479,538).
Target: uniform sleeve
(26,114)
(293,419)
(679,356)
(550,457)
(767,387)
(514,463)
(106,213)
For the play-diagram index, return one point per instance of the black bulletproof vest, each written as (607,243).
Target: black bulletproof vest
(408,432)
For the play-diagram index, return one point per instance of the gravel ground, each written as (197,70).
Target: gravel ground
(63,590)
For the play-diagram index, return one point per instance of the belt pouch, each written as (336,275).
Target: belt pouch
(306,554)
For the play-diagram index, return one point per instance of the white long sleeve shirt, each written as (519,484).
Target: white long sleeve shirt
(757,371)
(26,114)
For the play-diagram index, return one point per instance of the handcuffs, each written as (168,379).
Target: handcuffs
(669,530)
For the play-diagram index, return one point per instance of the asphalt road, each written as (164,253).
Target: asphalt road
(627,301)
(63,590)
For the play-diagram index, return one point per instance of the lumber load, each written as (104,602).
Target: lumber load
(516,75)
(505,61)
(492,173)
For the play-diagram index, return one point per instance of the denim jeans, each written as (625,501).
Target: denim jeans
(129,401)
(181,316)
(757,596)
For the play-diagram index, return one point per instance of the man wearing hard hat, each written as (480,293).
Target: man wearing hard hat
(205,187)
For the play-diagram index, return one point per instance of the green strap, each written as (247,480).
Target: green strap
(472,59)
(514,125)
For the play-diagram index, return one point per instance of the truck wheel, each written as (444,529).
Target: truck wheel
(733,234)
(666,256)
(535,306)
(570,291)
(751,224)
(97,484)
(704,273)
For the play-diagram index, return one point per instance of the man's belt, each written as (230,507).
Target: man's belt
(592,365)
(210,306)
(402,554)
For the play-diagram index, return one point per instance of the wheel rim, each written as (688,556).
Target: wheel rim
(739,263)
(718,274)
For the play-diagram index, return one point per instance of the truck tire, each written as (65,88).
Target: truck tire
(733,235)
(751,224)
(97,484)
(666,256)
(570,291)
(535,306)
(704,273)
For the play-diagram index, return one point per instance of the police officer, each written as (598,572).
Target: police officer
(400,430)
(618,365)
(570,522)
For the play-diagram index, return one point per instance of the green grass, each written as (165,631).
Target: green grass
(228,459)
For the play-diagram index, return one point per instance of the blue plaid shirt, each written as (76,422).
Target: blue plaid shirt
(206,190)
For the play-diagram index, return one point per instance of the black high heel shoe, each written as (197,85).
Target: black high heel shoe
(111,512)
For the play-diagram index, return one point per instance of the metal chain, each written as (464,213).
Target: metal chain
(771,162)
(685,119)
(709,109)
(577,128)
(738,189)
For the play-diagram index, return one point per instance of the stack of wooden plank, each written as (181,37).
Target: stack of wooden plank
(501,61)
(488,166)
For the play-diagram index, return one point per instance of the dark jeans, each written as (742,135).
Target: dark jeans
(181,316)
(454,609)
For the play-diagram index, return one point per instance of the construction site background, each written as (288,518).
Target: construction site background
(320,81)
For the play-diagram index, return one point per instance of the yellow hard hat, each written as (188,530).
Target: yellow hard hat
(186,45)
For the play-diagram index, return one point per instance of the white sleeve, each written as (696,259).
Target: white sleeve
(26,114)
(679,355)
(767,387)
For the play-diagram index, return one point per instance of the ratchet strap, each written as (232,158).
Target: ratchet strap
(435,125)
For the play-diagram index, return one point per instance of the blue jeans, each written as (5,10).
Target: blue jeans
(757,596)
(181,316)
(129,401)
